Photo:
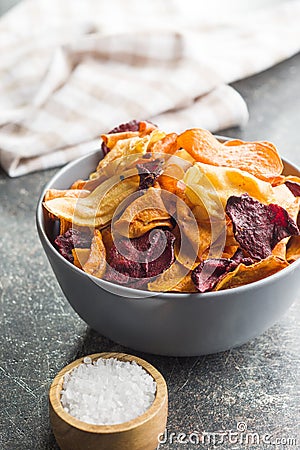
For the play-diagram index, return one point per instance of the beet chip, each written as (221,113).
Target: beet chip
(293,187)
(140,258)
(148,172)
(73,238)
(210,271)
(133,125)
(240,258)
(258,227)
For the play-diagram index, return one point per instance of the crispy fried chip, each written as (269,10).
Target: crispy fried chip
(96,262)
(78,184)
(97,209)
(143,214)
(229,251)
(183,154)
(284,198)
(131,146)
(258,158)
(209,188)
(143,257)
(185,285)
(80,256)
(280,249)
(293,187)
(73,238)
(258,227)
(131,126)
(149,171)
(293,249)
(169,278)
(248,274)
(110,140)
(207,274)
(169,179)
(212,270)
(58,193)
(146,127)
(107,238)
(167,144)
(64,225)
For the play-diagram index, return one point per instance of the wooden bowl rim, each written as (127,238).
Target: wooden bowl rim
(159,401)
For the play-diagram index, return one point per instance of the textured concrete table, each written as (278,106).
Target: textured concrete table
(255,386)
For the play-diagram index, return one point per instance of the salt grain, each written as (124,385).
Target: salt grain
(107,391)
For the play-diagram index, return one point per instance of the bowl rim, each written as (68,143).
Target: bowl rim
(138,293)
(161,396)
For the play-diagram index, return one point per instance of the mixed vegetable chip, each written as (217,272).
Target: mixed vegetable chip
(179,213)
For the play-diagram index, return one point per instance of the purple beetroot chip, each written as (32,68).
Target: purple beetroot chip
(258,227)
(148,172)
(210,271)
(73,238)
(133,125)
(240,258)
(293,187)
(140,259)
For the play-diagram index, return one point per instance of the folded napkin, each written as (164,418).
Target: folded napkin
(72,69)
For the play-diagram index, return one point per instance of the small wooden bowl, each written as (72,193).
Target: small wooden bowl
(137,434)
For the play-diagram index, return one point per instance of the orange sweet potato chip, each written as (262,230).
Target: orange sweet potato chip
(143,214)
(169,179)
(167,144)
(107,239)
(146,127)
(248,274)
(258,158)
(96,262)
(79,184)
(64,225)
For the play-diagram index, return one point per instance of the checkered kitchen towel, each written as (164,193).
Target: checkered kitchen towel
(72,69)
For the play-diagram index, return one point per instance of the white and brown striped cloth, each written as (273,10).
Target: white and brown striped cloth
(72,69)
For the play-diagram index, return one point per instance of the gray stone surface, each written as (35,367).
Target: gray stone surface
(257,384)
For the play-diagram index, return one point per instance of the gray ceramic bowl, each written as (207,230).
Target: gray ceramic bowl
(167,324)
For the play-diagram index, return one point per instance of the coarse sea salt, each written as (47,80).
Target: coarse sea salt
(107,391)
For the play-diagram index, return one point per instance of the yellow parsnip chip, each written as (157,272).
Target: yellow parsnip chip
(293,249)
(58,193)
(209,187)
(185,285)
(111,139)
(80,256)
(169,279)
(132,146)
(97,209)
